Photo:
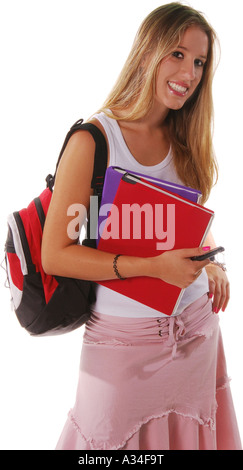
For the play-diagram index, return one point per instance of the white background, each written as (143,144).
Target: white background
(59,59)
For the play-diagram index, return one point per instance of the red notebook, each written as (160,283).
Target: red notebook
(145,220)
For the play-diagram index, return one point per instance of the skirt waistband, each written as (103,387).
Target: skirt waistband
(196,320)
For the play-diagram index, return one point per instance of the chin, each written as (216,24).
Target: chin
(176,107)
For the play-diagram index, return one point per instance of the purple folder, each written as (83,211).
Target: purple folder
(112,180)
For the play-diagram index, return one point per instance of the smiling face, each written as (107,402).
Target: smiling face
(180,73)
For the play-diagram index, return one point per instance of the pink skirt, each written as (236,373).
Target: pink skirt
(153,384)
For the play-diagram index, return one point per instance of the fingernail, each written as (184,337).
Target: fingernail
(206,248)
(210,296)
(216,310)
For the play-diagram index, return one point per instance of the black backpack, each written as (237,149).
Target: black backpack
(45,304)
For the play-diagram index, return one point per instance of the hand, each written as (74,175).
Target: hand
(176,267)
(219,287)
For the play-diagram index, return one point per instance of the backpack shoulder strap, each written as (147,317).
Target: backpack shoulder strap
(100,161)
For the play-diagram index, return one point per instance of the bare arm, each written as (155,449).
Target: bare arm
(62,256)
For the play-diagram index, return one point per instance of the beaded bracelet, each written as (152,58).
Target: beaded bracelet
(115,268)
(217,262)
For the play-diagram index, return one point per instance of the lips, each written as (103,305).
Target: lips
(178,88)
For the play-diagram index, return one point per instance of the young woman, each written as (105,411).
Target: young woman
(149,381)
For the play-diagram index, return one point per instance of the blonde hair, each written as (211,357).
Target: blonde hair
(133,94)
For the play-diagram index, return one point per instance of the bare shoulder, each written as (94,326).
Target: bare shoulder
(79,142)
(81,145)
(74,174)
(78,155)
(77,162)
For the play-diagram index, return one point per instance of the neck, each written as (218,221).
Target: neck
(155,118)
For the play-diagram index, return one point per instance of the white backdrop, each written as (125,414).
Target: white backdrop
(59,60)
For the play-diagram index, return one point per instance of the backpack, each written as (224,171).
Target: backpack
(45,304)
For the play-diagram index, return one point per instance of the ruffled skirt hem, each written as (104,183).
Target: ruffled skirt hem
(171,430)
(153,384)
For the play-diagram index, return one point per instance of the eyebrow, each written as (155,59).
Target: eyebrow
(202,56)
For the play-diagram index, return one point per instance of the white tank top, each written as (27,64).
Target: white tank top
(109,302)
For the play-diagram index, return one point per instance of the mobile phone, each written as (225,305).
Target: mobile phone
(209,254)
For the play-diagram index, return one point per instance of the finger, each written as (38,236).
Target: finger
(222,298)
(211,285)
(217,297)
(204,263)
(222,302)
(190,252)
(227,297)
(199,265)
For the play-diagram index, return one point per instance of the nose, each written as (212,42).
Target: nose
(188,69)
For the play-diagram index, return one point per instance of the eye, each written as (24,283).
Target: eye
(199,63)
(178,55)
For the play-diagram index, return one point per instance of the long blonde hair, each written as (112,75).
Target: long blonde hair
(133,94)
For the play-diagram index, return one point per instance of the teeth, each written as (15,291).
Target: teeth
(176,87)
